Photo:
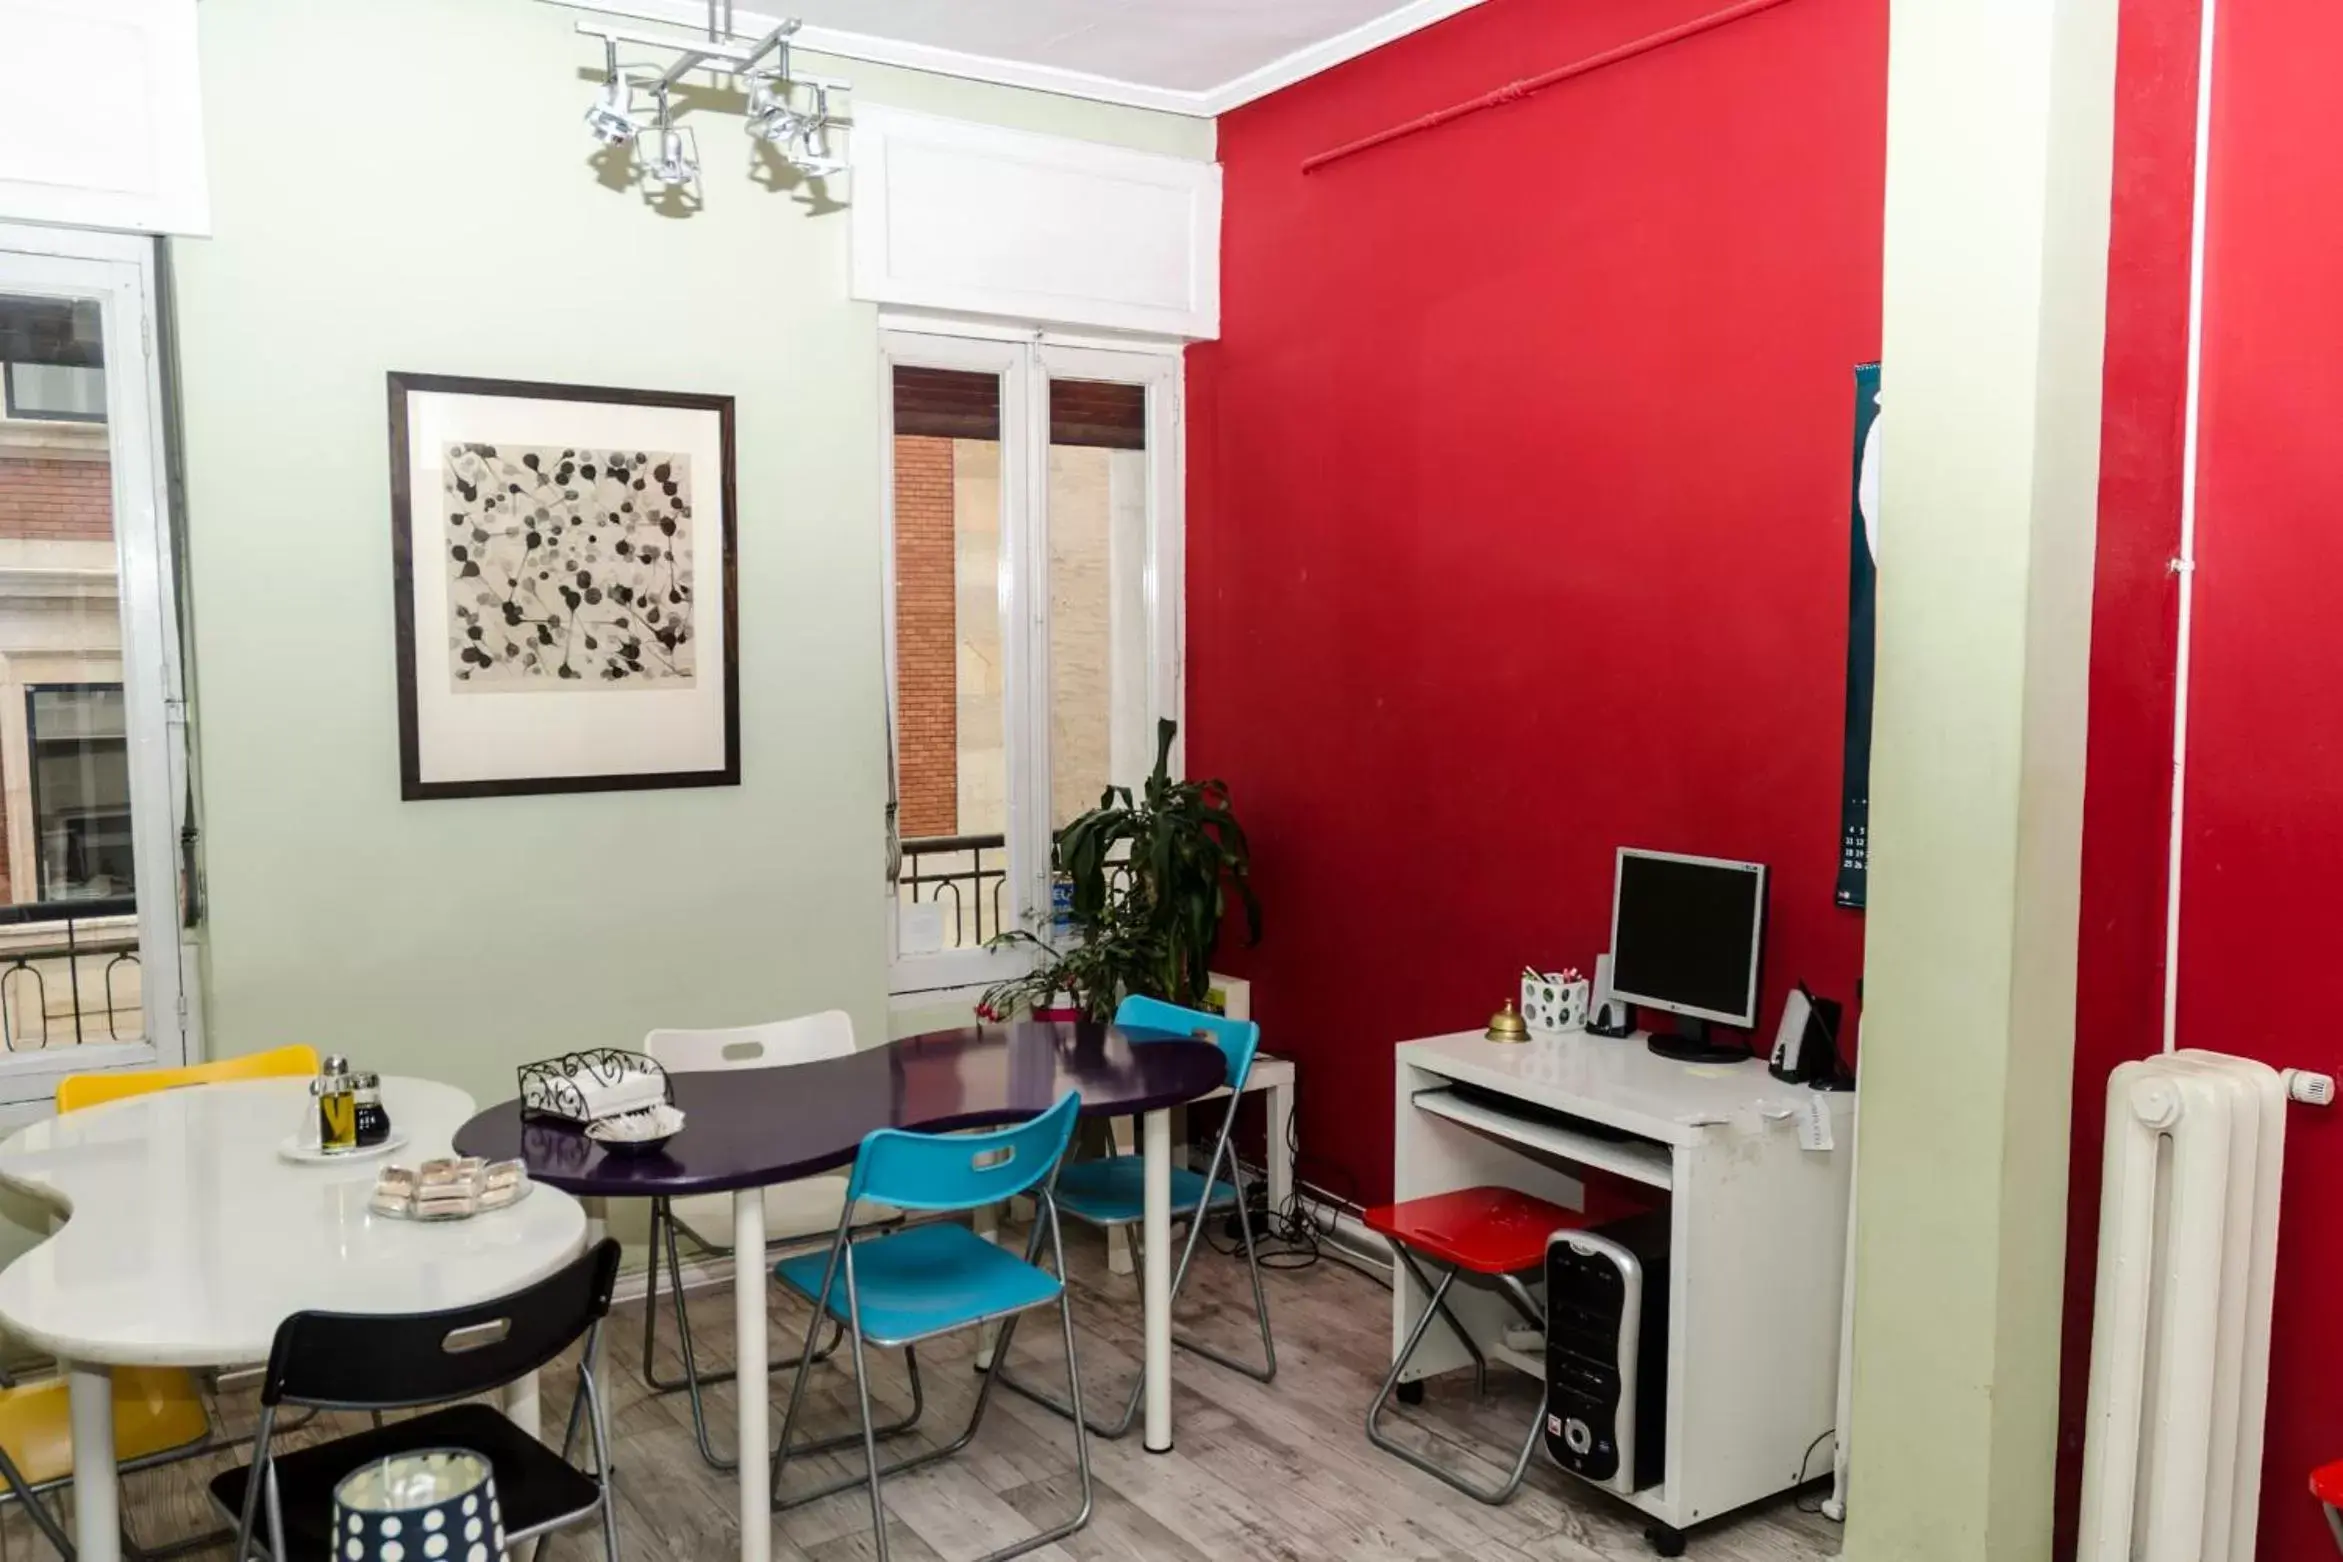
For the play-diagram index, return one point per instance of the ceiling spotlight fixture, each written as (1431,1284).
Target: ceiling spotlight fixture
(813,157)
(677,165)
(788,111)
(612,118)
(771,116)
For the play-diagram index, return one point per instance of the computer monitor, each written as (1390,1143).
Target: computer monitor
(1687,936)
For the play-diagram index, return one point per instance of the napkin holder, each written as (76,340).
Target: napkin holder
(585,1087)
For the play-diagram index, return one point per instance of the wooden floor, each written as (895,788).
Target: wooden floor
(1262,1472)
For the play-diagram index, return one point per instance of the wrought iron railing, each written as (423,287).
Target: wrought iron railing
(38,936)
(971,871)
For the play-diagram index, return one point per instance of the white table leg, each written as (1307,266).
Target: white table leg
(1155,1240)
(97,1496)
(755,1439)
(1118,1238)
(1278,1153)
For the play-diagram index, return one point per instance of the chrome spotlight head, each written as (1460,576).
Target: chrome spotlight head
(813,155)
(678,164)
(771,117)
(612,117)
(611,120)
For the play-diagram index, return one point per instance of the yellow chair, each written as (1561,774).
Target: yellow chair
(76,1091)
(158,1411)
(158,1416)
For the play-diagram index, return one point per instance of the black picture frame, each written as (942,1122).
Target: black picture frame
(412,786)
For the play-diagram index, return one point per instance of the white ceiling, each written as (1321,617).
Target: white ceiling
(1187,56)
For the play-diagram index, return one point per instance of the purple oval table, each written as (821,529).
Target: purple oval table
(748,1129)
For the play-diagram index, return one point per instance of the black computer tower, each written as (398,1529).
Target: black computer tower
(1607,1351)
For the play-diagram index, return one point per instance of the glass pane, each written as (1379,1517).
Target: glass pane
(69,964)
(1100,644)
(951,750)
(81,791)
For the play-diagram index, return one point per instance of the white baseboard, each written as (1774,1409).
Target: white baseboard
(1364,1247)
(705,1272)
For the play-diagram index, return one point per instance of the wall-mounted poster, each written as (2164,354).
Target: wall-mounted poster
(1862,581)
(566,610)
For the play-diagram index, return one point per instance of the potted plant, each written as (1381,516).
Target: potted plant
(1151,878)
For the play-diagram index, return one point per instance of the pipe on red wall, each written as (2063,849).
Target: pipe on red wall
(1514,91)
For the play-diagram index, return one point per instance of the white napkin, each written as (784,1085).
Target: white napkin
(614,1099)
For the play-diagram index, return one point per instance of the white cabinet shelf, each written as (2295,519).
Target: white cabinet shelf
(1639,1160)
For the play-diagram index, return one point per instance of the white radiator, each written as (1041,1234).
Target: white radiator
(2180,1344)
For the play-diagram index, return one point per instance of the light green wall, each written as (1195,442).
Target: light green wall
(406,184)
(1996,264)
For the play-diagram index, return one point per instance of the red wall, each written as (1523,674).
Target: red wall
(2262,919)
(2260,928)
(1518,510)
(1535,427)
(2127,797)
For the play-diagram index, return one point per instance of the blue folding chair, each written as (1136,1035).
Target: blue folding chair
(1111,1191)
(895,1290)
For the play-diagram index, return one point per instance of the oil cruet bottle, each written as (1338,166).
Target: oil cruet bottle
(374,1124)
(337,1107)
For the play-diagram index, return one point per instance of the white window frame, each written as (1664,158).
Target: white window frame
(118,273)
(1027,360)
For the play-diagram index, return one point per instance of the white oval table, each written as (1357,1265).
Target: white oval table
(188,1238)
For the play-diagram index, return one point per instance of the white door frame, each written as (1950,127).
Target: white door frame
(117,272)
(1026,361)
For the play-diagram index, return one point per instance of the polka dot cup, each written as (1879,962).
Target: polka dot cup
(435,1505)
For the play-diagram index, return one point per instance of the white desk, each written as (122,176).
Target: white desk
(189,1240)
(1758,1235)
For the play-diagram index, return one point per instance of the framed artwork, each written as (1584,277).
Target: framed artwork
(566,606)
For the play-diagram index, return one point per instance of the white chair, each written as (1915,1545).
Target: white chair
(795,1212)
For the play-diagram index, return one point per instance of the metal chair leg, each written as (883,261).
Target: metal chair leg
(43,1519)
(870,1436)
(590,1392)
(255,1473)
(1267,1371)
(901,1466)
(1121,1426)
(1073,1397)
(694,1380)
(1492,1495)
(275,1497)
(1463,1335)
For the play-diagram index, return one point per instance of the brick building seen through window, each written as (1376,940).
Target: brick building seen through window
(64,768)
(953,771)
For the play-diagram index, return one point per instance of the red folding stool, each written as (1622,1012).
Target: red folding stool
(1499,1234)
(2326,1484)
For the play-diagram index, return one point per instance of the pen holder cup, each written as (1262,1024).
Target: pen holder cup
(1553,1006)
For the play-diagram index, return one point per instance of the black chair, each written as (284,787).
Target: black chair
(378,1362)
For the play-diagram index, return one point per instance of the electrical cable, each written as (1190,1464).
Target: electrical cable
(1293,1236)
(1805,1459)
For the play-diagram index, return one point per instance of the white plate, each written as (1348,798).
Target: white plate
(527,1188)
(300,1154)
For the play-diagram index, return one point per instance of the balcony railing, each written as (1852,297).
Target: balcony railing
(70,965)
(969,871)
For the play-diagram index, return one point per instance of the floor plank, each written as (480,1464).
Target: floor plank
(1277,1472)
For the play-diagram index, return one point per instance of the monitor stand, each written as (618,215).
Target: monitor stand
(1690,1042)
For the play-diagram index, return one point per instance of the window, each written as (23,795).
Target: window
(1032,622)
(92,772)
(80,763)
(54,392)
(52,361)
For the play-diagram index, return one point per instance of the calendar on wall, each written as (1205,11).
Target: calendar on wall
(1862,580)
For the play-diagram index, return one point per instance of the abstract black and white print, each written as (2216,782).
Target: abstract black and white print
(568,568)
